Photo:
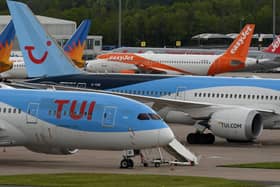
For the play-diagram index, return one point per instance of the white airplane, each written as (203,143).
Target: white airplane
(195,64)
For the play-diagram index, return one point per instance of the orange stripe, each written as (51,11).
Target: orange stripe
(141,62)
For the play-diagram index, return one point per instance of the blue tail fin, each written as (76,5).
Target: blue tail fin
(6,45)
(42,55)
(74,47)
(8,34)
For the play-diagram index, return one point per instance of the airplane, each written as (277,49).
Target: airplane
(236,109)
(61,122)
(6,44)
(73,48)
(196,64)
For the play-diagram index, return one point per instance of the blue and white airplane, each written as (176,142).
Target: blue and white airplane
(236,109)
(61,122)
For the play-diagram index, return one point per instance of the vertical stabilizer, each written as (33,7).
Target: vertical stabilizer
(6,45)
(235,56)
(75,46)
(274,47)
(42,55)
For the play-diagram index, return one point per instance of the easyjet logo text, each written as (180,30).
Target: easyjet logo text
(241,40)
(121,58)
(275,44)
(75,112)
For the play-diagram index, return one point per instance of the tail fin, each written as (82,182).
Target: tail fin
(274,47)
(42,55)
(238,50)
(6,45)
(75,46)
(235,56)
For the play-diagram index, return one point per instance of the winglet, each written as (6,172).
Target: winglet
(42,55)
(6,45)
(235,56)
(274,47)
(74,47)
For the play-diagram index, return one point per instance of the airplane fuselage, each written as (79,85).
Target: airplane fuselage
(253,93)
(76,120)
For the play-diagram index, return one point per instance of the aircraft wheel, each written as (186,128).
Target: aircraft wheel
(124,164)
(197,138)
(130,163)
(192,138)
(157,164)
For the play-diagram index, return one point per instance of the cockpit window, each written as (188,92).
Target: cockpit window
(154,116)
(143,116)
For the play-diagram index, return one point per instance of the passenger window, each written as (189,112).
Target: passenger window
(15,110)
(143,116)
(9,110)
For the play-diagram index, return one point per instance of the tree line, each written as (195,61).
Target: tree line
(159,22)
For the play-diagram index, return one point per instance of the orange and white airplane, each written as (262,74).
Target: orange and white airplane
(234,59)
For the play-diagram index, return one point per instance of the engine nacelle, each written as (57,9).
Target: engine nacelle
(178,117)
(53,150)
(239,124)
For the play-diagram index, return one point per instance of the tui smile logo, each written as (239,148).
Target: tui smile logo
(35,60)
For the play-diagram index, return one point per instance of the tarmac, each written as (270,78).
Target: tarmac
(18,160)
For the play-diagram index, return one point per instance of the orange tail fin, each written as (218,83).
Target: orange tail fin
(239,48)
(235,56)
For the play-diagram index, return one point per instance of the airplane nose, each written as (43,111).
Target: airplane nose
(165,136)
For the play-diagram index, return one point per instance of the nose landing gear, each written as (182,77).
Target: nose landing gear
(127,162)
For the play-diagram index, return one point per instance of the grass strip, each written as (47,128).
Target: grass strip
(122,180)
(260,165)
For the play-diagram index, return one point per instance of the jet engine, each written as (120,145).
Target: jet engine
(238,124)
(53,150)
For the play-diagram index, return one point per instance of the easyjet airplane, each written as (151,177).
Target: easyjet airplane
(233,59)
(74,48)
(236,109)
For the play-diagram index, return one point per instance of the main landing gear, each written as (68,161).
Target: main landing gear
(200,138)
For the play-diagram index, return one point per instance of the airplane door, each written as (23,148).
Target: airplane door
(180,93)
(109,115)
(32,112)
